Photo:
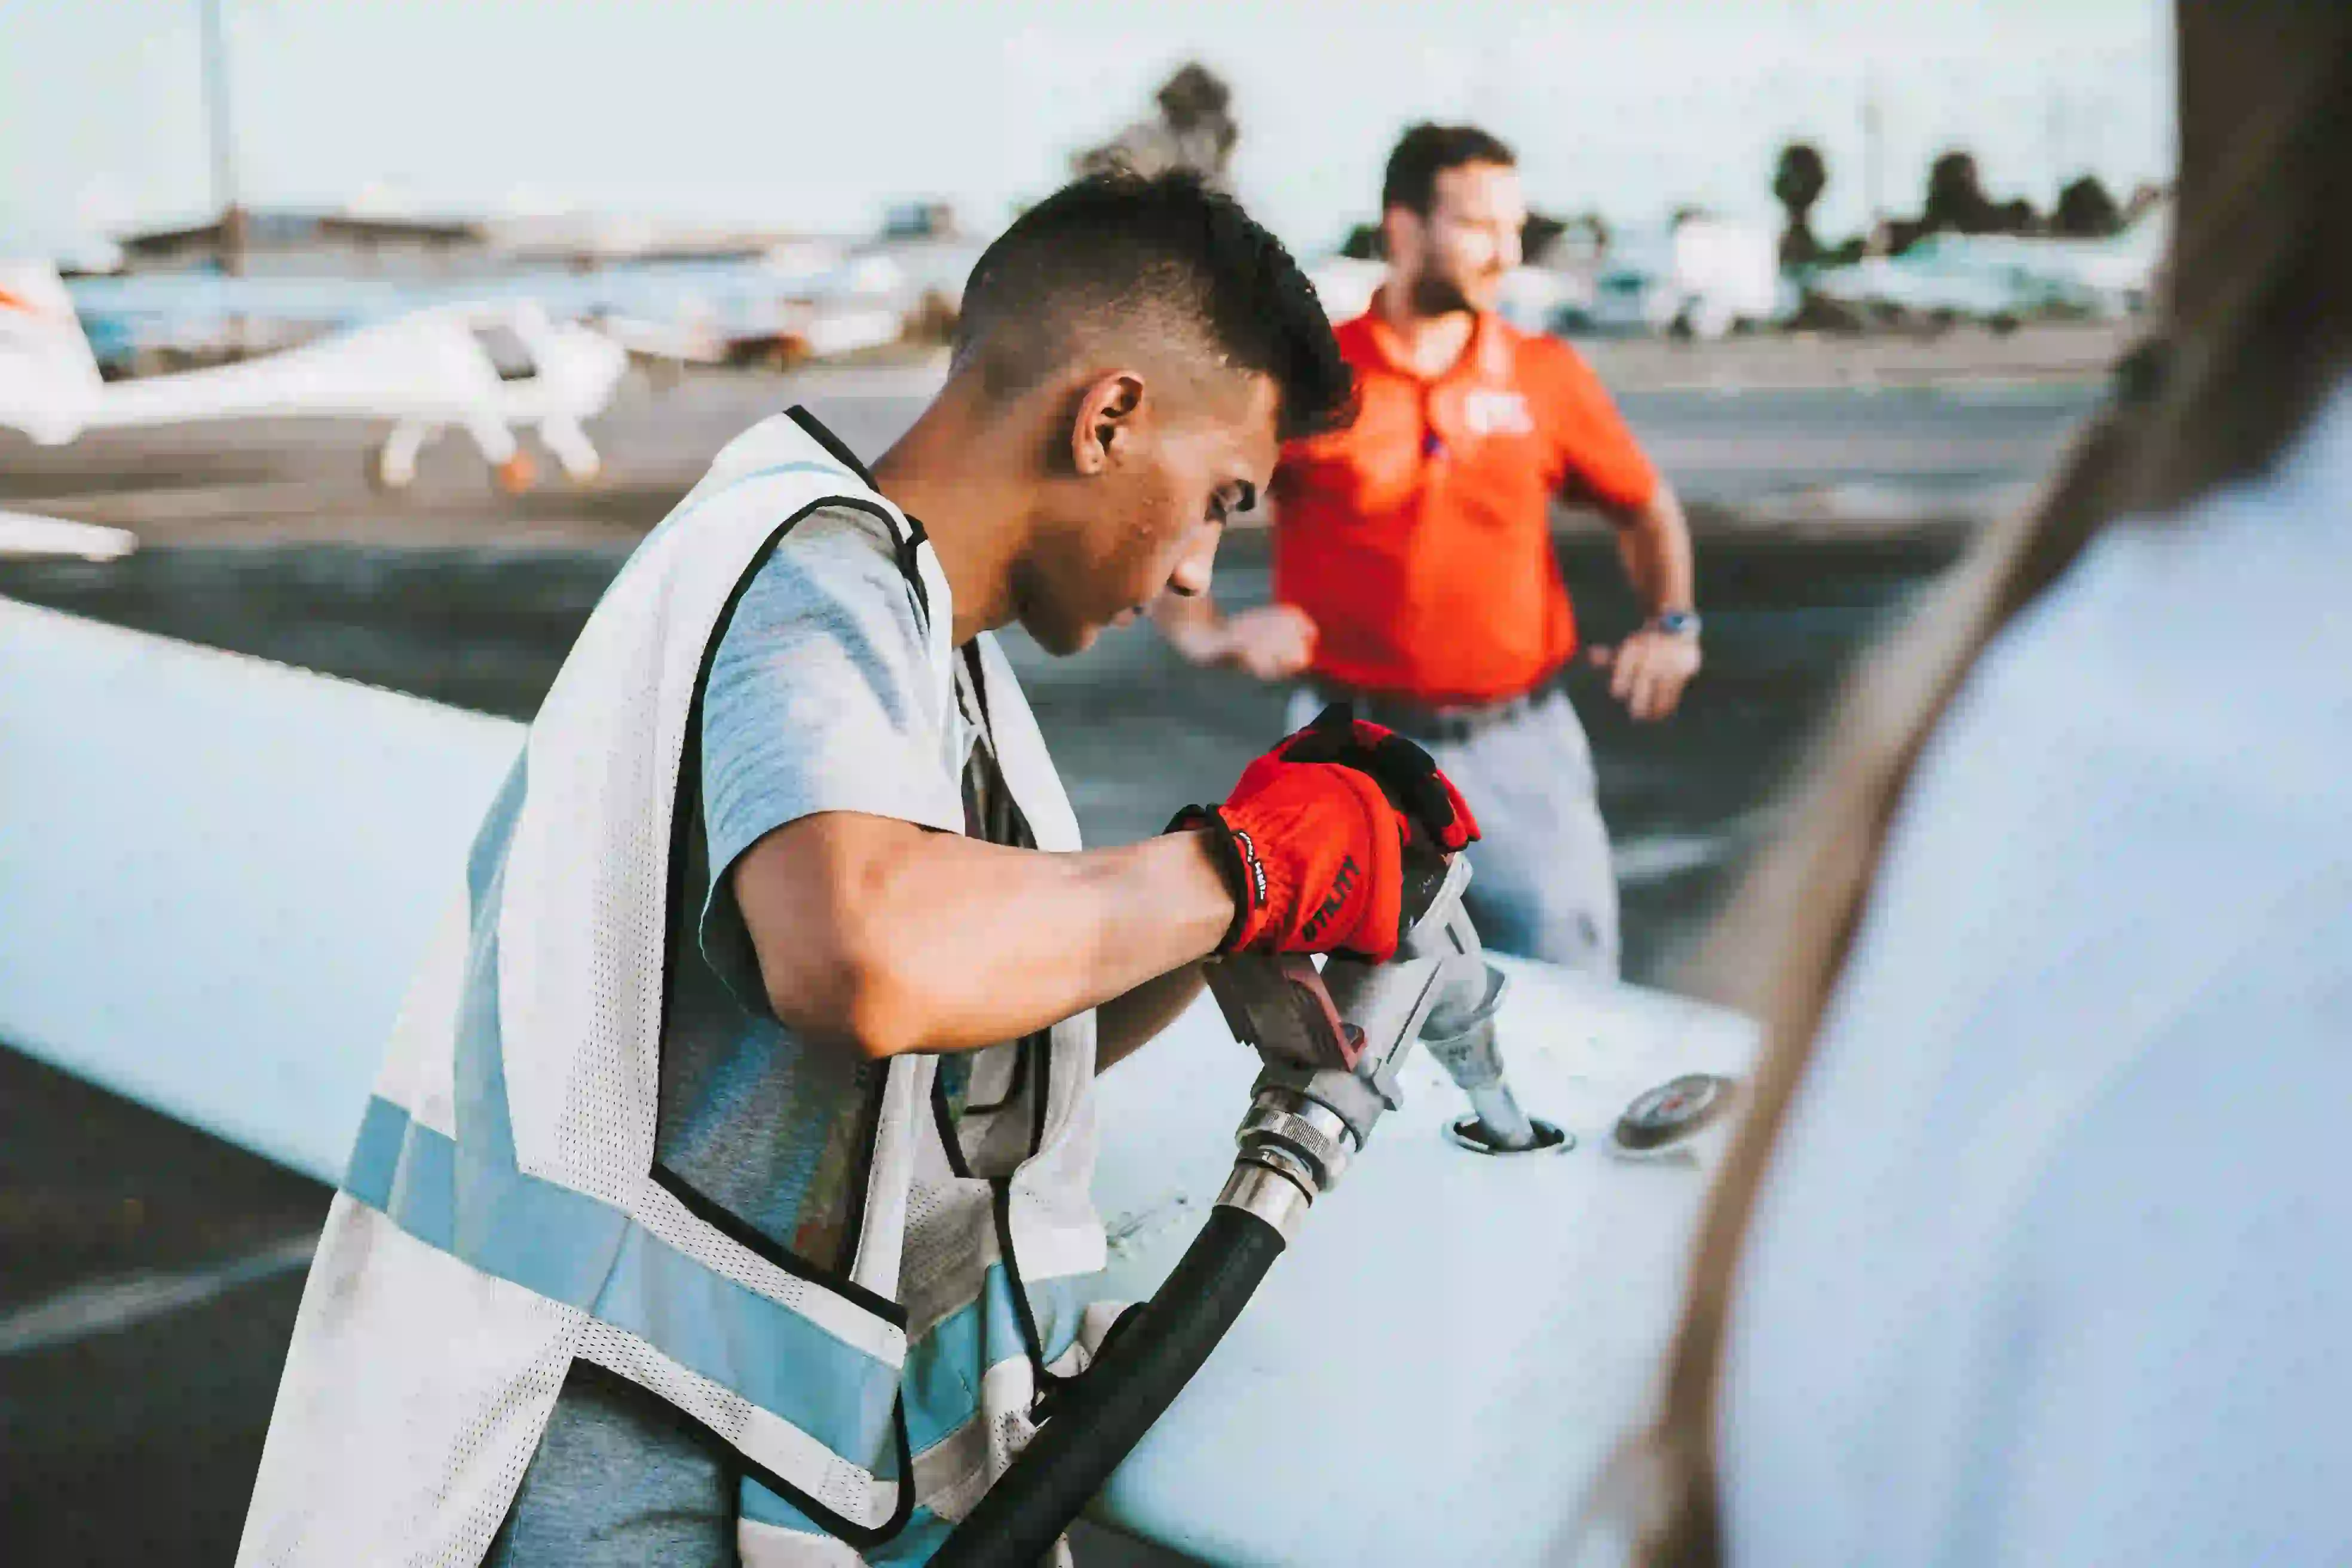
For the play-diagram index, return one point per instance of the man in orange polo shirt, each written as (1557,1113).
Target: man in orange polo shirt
(1413,570)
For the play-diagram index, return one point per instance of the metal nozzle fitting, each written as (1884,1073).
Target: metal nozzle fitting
(1301,1133)
(1293,1150)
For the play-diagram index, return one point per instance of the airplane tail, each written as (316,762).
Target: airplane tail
(48,377)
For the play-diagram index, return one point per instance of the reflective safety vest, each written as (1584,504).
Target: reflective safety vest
(504,1212)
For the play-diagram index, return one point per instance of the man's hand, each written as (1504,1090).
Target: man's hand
(1648,670)
(1315,855)
(1314,835)
(1435,815)
(1273,643)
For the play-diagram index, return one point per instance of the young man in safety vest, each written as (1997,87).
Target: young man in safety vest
(726,1189)
(1413,570)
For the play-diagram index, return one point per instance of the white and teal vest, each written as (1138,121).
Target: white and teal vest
(503,1212)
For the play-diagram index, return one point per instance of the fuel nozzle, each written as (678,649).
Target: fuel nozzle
(1331,1041)
(1462,1042)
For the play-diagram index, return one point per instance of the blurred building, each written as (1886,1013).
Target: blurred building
(284,242)
(292,243)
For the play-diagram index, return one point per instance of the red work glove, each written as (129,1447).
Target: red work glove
(1314,839)
(1434,811)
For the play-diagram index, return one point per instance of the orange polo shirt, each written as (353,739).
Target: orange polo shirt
(1419,539)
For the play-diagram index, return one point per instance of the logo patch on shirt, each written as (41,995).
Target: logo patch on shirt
(1496,412)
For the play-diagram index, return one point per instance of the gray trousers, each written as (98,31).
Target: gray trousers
(1541,883)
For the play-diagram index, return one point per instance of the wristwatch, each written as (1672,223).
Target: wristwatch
(1676,623)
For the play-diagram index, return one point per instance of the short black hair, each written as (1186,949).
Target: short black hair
(1427,151)
(1164,254)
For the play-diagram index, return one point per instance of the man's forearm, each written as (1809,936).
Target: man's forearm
(1128,1022)
(1653,541)
(1648,670)
(927,941)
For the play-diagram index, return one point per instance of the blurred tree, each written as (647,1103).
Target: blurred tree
(1362,243)
(2085,211)
(1956,199)
(1797,182)
(1957,203)
(1194,129)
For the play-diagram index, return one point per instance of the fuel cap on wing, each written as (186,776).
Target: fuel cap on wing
(1673,1112)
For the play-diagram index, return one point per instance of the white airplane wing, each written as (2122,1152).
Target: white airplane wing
(219,872)
(424,366)
(238,865)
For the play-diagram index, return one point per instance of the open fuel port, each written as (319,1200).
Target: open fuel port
(1471,1133)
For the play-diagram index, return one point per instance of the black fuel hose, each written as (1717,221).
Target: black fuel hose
(1105,1413)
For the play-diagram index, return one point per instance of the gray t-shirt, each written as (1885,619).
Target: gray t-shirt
(823,696)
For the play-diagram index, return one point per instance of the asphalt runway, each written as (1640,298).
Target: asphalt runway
(149,1274)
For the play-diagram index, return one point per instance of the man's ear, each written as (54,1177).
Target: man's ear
(1106,425)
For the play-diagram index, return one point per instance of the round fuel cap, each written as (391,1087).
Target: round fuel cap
(1674,1112)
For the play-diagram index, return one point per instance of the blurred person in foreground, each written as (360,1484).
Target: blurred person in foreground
(1413,568)
(2036,1244)
(725,1195)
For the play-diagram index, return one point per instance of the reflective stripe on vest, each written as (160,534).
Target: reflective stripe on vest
(468,1197)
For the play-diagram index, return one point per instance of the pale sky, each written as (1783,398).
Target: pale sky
(816,114)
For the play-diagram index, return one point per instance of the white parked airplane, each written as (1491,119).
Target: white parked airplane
(488,369)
